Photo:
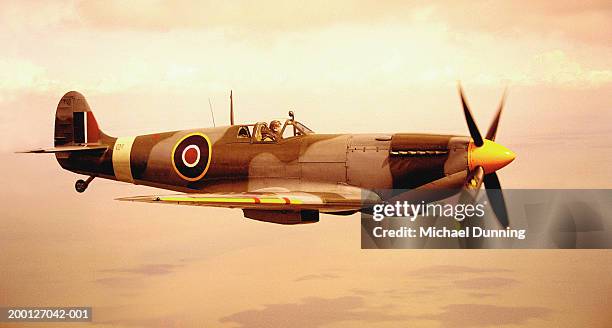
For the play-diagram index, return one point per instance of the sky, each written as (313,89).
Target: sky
(342,66)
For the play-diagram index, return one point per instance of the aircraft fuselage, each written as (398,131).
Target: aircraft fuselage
(218,159)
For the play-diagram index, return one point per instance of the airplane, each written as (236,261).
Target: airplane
(290,179)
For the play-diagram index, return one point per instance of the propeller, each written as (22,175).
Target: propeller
(496,198)
(474,132)
(493,128)
(490,157)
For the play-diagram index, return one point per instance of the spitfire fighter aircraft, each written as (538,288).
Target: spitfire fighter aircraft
(287,178)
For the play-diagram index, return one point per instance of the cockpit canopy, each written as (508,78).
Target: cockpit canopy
(261,132)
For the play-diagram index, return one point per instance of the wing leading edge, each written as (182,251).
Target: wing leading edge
(327,202)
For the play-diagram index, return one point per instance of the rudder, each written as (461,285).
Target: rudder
(75,123)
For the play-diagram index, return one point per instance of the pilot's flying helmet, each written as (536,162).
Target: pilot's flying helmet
(276,124)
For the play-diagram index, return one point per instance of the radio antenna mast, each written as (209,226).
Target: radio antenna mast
(231,108)
(211,112)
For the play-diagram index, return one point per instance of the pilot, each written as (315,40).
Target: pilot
(266,134)
(272,132)
(275,127)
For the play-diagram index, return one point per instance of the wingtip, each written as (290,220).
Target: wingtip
(139,199)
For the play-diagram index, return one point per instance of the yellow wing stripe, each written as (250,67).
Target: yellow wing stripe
(277,201)
(233,200)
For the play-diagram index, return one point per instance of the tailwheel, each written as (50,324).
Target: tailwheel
(81,185)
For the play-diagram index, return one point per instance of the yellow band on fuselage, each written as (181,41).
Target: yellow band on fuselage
(121,159)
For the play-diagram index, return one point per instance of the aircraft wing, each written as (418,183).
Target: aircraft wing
(326,202)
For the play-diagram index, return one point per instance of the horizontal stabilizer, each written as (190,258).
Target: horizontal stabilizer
(71,148)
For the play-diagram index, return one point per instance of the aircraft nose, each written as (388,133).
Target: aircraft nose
(491,156)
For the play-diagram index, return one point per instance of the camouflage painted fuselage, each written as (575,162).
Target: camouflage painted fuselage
(306,163)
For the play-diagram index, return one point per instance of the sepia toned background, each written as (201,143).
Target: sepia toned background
(342,66)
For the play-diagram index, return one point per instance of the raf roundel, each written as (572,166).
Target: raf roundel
(191,156)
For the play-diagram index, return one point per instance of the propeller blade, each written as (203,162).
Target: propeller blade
(493,128)
(468,195)
(496,198)
(470,121)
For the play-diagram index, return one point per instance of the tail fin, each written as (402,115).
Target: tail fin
(75,123)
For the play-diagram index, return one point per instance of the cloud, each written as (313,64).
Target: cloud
(262,16)
(16,74)
(313,312)
(446,270)
(321,276)
(29,16)
(174,320)
(131,278)
(482,295)
(483,315)
(362,292)
(120,282)
(555,67)
(485,283)
(318,312)
(587,21)
(189,47)
(149,269)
